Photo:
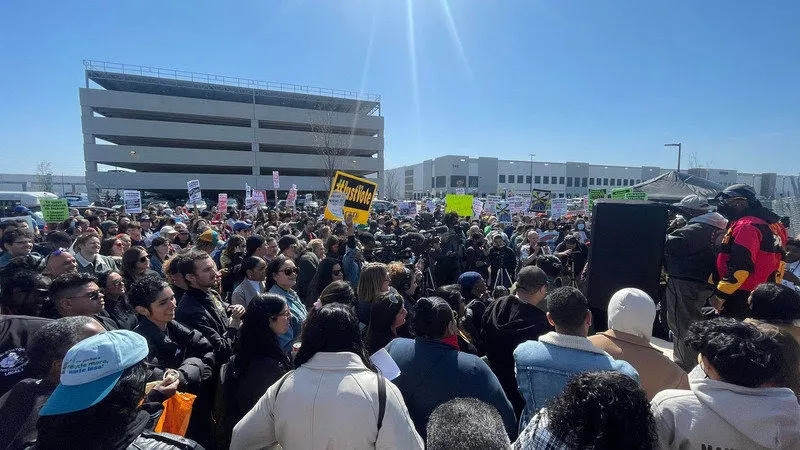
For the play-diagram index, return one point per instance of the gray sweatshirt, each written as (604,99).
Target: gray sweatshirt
(715,414)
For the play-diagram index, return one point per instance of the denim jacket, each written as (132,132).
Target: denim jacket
(545,366)
(351,267)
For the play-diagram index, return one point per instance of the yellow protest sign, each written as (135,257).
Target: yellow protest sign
(461,204)
(358,194)
(54,210)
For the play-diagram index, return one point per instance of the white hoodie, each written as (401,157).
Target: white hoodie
(715,414)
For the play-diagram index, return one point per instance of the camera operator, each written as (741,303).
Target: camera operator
(450,258)
(573,254)
(503,263)
(477,255)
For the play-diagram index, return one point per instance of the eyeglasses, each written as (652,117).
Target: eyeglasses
(143,259)
(336,273)
(291,271)
(94,295)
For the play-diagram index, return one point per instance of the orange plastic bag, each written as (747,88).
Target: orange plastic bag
(177,411)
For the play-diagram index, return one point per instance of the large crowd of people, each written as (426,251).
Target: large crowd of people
(175,329)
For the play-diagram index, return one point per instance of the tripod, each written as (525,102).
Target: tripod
(499,278)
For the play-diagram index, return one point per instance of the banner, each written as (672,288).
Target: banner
(540,200)
(620,192)
(491,202)
(558,207)
(260,196)
(56,210)
(595,194)
(195,195)
(636,196)
(359,195)
(276,180)
(132,201)
(503,212)
(477,207)
(461,204)
(222,202)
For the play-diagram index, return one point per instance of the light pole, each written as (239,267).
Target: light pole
(532,155)
(679,153)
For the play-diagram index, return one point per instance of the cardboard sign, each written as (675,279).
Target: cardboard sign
(477,207)
(491,202)
(195,195)
(132,201)
(516,204)
(276,180)
(222,202)
(291,197)
(558,207)
(460,191)
(56,210)
(636,196)
(260,196)
(540,200)
(595,194)
(461,204)
(620,192)
(359,191)
(503,212)
(248,192)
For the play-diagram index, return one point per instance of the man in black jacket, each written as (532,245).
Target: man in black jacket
(201,308)
(503,263)
(690,256)
(510,321)
(307,263)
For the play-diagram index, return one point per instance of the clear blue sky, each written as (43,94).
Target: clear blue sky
(594,81)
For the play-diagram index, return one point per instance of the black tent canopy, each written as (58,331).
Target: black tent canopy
(672,187)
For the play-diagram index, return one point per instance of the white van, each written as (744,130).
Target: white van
(30,200)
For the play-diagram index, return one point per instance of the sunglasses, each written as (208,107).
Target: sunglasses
(336,272)
(291,271)
(94,295)
(143,259)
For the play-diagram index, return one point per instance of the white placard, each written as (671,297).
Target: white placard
(248,191)
(461,191)
(558,207)
(195,195)
(336,204)
(491,201)
(477,207)
(132,201)
(276,180)
(222,202)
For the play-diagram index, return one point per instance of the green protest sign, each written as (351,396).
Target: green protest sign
(594,194)
(636,196)
(620,192)
(54,210)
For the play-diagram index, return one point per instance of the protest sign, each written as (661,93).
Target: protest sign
(491,202)
(594,194)
(620,192)
(336,204)
(402,208)
(56,210)
(222,202)
(540,200)
(276,180)
(291,197)
(412,208)
(558,207)
(636,196)
(132,201)
(429,204)
(260,196)
(195,195)
(477,207)
(461,204)
(309,197)
(359,194)
(460,191)
(516,204)
(251,205)
(248,192)
(503,212)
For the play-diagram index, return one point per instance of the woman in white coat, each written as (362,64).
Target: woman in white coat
(332,399)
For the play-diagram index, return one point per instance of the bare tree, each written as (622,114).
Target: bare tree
(391,183)
(44,176)
(331,144)
(694,161)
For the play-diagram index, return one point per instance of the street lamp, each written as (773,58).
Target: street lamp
(532,155)
(679,153)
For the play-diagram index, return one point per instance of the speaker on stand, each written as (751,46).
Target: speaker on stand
(627,248)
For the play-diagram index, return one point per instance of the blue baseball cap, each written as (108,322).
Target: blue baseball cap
(242,225)
(92,368)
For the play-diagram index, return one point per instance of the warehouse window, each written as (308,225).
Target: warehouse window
(441,181)
(537,179)
(546,180)
(569,181)
(520,178)
(584,181)
(511,178)
(501,179)
(473,182)
(560,180)
(528,179)
(591,181)
(625,182)
(613,182)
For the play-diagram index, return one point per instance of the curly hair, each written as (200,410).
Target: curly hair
(741,353)
(602,410)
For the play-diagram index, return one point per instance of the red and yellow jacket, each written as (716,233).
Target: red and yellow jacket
(751,253)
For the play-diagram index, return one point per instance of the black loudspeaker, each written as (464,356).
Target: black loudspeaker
(626,250)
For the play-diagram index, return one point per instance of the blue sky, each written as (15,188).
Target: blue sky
(595,81)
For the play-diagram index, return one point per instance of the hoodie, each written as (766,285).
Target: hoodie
(714,219)
(631,313)
(507,323)
(715,414)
